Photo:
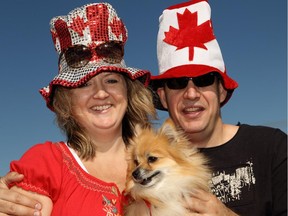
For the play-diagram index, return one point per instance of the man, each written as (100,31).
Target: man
(249,163)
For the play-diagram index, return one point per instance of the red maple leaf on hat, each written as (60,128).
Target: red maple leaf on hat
(78,25)
(189,33)
(118,28)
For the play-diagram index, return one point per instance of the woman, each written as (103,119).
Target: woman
(86,175)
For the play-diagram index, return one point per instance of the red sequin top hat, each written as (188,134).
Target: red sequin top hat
(90,25)
(187,46)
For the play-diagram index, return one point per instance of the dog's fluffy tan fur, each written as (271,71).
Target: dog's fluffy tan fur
(163,167)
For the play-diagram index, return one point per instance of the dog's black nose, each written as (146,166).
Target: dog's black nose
(136,174)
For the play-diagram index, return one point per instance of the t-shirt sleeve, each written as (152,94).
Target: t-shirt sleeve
(41,166)
(279,173)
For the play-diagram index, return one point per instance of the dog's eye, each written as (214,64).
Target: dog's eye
(152,159)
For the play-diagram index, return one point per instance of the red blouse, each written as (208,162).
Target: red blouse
(51,170)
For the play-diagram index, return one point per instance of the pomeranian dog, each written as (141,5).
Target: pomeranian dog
(163,168)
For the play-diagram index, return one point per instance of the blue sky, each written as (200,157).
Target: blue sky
(252,36)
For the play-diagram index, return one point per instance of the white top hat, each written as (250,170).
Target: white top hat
(187,46)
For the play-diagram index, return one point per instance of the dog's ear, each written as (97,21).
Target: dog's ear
(138,130)
(169,130)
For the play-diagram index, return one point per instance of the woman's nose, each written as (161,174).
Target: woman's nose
(99,91)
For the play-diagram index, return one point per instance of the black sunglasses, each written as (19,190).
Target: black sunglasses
(78,56)
(200,81)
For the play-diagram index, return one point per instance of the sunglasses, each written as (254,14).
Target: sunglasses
(200,81)
(78,56)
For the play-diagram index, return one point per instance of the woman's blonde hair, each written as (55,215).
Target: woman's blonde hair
(140,111)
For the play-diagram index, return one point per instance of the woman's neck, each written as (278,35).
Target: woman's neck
(107,141)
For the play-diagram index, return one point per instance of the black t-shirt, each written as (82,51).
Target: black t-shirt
(250,171)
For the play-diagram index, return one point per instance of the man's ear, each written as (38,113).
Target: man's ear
(222,92)
(162,96)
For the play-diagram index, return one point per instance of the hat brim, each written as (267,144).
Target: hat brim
(72,78)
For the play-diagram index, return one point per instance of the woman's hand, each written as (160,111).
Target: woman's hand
(207,204)
(14,203)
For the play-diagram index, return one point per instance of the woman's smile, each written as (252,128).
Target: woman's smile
(101,108)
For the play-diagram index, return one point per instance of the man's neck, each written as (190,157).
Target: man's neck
(212,138)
